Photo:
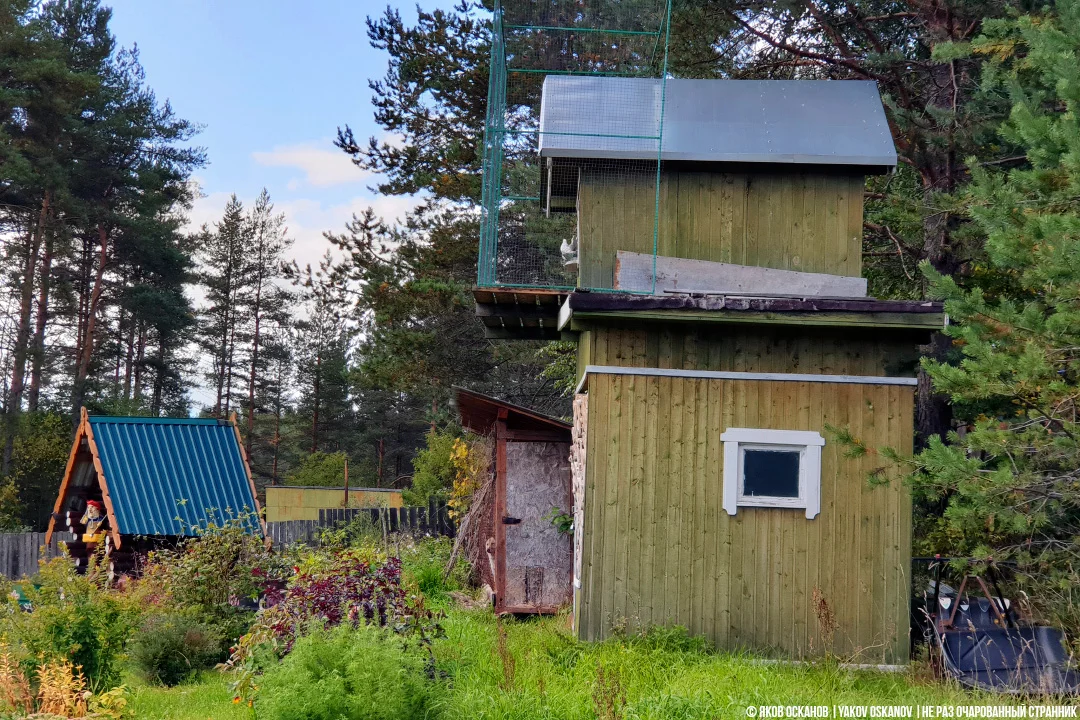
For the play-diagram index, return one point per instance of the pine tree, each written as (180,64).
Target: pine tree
(222,257)
(1008,484)
(268,302)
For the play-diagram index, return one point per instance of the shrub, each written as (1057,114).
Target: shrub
(73,618)
(424,563)
(320,469)
(433,470)
(354,585)
(170,647)
(366,673)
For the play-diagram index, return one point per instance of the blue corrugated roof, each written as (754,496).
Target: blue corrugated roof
(166,476)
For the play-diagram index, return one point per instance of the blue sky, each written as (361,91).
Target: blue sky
(270,80)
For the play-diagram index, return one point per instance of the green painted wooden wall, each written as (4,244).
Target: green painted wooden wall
(809,221)
(740,348)
(659,549)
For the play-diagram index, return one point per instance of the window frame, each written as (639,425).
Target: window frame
(807,443)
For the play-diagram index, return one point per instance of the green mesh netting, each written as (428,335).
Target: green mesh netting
(570,150)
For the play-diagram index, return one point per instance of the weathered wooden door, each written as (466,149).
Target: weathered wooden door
(534,561)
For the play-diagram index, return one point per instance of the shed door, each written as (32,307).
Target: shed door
(538,559)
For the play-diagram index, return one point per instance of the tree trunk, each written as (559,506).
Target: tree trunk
(93,306)
(22,335)
(140,361)
(129,358)
(37,357)
(254,365)
(159,379)
(315,408)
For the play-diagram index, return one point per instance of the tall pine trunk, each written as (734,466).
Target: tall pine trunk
(93,306)
(37,354)
(22,334)
(254,368)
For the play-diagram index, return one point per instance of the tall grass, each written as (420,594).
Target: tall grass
(533,669)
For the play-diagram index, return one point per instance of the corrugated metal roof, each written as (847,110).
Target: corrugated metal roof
(166,476)
(821,122)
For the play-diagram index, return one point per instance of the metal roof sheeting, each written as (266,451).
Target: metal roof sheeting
(167,476)
(817,122)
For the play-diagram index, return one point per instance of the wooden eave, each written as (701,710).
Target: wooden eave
(481,413)
(519,313)
(85,431)
(582,310)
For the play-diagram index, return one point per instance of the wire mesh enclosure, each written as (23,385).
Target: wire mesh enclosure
(573,139)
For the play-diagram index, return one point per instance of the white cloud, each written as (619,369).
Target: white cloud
(322,164)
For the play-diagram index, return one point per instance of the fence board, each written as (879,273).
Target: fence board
(431,520)
(20,552)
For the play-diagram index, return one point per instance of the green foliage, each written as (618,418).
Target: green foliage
(320,469)
(207,695)
(39,456)
(73,617)
(171,646)
(563,522)
(213,574)
(662,674)
(1006,486)
(424,562)
(434,470)
(562,364)
(362,673)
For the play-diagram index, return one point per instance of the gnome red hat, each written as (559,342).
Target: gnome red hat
(96,504)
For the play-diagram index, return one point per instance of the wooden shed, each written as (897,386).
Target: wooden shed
(709,490)
(135,483)
(531,559)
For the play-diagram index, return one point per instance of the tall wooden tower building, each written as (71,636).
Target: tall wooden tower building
(724,330)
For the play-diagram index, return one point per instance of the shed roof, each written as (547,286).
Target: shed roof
(163,476)
(814,122)
(480,412)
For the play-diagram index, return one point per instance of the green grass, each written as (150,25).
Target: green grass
(542,672)
(538,671)
(205,698)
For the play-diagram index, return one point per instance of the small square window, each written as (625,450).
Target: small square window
(772,468)
(770,473)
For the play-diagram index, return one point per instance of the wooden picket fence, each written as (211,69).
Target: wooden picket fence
(20,552)
(431,520)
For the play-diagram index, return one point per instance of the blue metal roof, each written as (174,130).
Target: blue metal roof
(167,476)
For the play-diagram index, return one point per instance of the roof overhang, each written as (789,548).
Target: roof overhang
(519,313)
(582,310)
(479,413)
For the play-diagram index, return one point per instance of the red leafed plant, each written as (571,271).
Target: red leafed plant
(354,586)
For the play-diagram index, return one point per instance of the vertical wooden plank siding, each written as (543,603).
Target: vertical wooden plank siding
(741,349)
(810,221)
(667,553)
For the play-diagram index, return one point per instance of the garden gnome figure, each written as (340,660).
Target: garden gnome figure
(93,519)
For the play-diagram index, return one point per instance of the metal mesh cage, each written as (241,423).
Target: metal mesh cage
(572,140)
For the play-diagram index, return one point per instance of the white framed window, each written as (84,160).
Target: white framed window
(773,469)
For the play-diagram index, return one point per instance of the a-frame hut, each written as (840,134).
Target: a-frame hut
(135,483)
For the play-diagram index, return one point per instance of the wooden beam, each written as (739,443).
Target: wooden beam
(525,333)
(634,273)
(114,527)
(80,432)
(904,321)
(247,470)
(546,312)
